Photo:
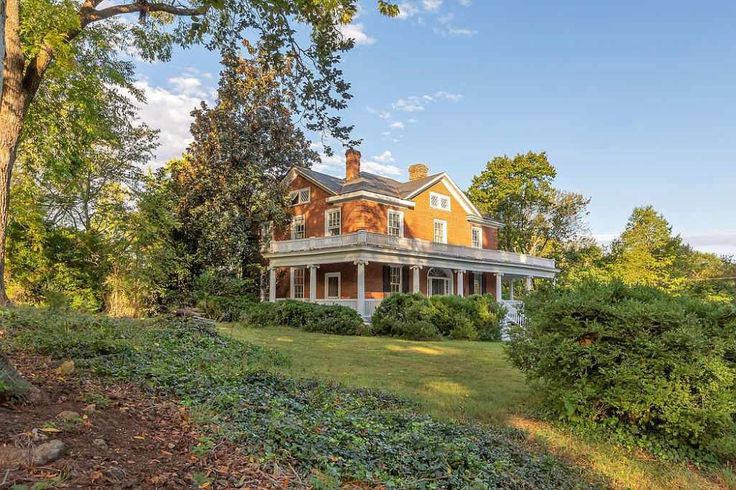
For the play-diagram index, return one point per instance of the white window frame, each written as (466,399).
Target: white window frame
(294,286)
(401,222)
(473,231)
(298,193)
(448,282)
(329,275)
(328,213)
(440,199)
(294,222)
(395,269)
(444,230)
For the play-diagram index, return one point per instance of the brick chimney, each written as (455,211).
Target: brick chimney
(352,165)
(418,171)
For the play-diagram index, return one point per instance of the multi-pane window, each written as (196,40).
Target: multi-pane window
(440,231)
(477,283)
(300,196)
(395,279)
(298,283)
(333,220)
(298,230)
(395,223)
(439,201)
(477,238)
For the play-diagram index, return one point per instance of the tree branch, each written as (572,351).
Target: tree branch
(90,15)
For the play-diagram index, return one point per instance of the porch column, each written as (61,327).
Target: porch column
(511,288)
(361,286)
(415,279)
(313,283)
(461,283)
(272,285)
(291,282)
(499,286)
(529,284)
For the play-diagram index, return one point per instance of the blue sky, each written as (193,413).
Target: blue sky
(634,102)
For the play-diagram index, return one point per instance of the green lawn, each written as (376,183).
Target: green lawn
(467,381)
(459,380)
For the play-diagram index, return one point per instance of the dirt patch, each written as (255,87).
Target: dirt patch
(124,437)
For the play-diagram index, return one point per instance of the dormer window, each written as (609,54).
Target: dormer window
(439,201)
(299,196)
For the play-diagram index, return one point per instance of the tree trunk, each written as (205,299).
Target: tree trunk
(15,97)
(12,384)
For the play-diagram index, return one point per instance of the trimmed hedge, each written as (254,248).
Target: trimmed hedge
(416,317)
(309,317)
(649,368)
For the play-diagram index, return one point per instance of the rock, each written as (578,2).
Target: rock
(35,396)
(68,416)
(48,452)
(115,474)
(100,443)
(90,409)
(66,367)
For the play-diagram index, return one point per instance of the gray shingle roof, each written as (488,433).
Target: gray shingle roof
(367,182)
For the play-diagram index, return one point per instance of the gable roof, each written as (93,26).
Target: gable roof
(385,186)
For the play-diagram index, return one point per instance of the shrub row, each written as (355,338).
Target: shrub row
(309,317)
(328,433)
(413,316)
(646,367)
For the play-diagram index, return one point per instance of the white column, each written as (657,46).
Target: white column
(461,283)
(511,288)
(313,283)
(291,282)
(415,278)
(361,286)
(272,285)
(499,286)
(529,284)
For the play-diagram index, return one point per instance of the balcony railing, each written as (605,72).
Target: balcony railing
(380,241)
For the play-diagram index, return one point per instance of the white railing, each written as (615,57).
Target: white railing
(370,307)
(350,303)
(379,241)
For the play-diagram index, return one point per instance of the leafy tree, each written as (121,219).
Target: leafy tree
(41,34)
(229,183)
(646,251)
(536,217)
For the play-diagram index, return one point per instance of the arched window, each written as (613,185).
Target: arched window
(439,282)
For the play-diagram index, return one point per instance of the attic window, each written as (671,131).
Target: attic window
(439,201)
(300,196)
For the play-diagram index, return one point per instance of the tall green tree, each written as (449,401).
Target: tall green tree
(647,251)
(41,33)
(229,182)
(537,218)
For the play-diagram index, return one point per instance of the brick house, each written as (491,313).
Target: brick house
(356,240)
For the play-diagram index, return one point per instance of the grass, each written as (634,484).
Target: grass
(465,381)
(452,380)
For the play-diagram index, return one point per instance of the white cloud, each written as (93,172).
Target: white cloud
(407,10)
(446,27)
(465,3)
(416,103)
(380,168)
(385,157)
(432,5)
(168,110)
(396,125)
(357,33)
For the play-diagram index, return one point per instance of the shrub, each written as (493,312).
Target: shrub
(407,316)
(413,316)
(652,369)
(309,317)
(226,309)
